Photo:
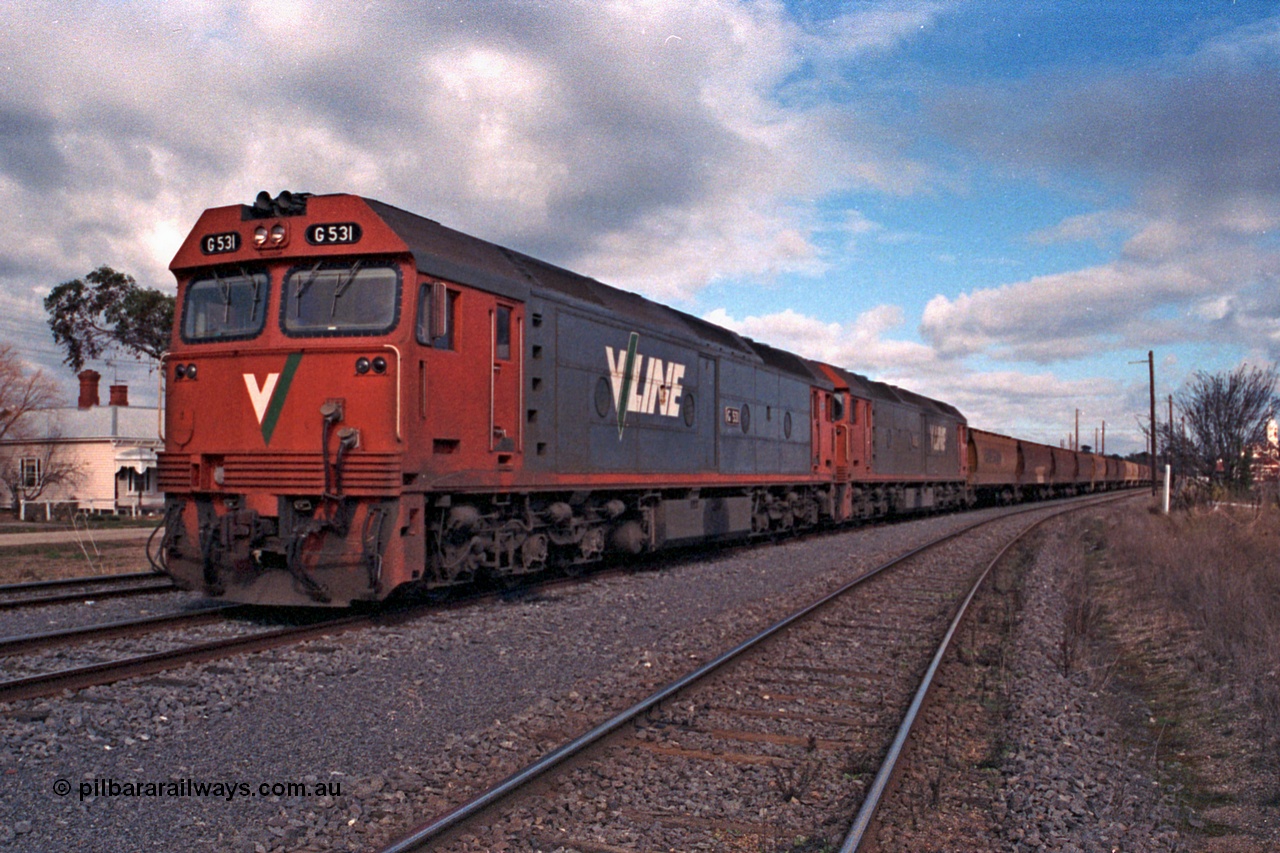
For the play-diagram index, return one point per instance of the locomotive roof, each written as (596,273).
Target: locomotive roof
(445,253)
(869,389)
(789,362)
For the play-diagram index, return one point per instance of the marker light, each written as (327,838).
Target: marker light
(180,371)
(379,364)
(362,365)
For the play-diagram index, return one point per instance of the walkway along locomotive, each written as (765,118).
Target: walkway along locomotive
(359,398)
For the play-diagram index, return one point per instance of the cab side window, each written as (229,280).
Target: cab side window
(502,334)
(437,310)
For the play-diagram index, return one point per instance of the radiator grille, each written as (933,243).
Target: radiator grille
(283,473)
(173,472)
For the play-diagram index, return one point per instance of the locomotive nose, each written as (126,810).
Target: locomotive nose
(287,472)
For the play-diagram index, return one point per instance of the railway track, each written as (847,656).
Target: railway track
(120,667)
(784,736)
(125,628)
(135,665)
(62,591)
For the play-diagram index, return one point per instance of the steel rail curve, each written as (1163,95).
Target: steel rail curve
(47,684)
(853,840)
(443,823)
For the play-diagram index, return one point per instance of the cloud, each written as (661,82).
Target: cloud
(860,345)
(1098,226)
(1194,142)
(1161,273)
(616,135)
(658,146)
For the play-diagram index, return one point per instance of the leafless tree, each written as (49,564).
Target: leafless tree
(1220,420)
(30,470)
(22,391)
(26,432)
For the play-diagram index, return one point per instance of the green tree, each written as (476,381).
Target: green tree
(108,309)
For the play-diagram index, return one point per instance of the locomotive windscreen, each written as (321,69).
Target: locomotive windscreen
(347,298)
(221,305)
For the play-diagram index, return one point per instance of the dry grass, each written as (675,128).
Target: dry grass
(24,563)
(1216,573)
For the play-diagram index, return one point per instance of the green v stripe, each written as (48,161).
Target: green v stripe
(624,397)
(278,396)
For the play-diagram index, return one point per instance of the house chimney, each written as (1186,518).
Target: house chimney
(119,395)
(89,388)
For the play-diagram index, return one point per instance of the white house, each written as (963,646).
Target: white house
(95,458)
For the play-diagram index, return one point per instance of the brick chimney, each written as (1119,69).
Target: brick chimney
(119,395)
(89,388)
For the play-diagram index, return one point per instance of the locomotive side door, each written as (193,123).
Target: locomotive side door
(506,347)
(843,439)
(822,420)
(707,407)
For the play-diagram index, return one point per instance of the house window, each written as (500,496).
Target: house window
(140,484)
(29,472)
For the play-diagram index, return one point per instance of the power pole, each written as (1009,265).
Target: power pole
(1077,447)
(1151,373)
(1104,438)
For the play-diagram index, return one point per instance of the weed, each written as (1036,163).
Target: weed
(1084,613)
(795,782)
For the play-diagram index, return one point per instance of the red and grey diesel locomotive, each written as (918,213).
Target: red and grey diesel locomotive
(360,399)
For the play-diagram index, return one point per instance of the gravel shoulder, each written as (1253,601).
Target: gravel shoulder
(406,718)
(398,716)
(1075,725)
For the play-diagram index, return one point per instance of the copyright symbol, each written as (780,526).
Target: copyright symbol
(62,787)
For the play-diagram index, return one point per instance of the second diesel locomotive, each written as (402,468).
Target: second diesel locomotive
(361,399)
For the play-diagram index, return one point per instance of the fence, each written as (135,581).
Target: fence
(133,505)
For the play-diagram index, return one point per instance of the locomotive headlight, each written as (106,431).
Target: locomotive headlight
(277,234)
(260,235)
(219,475)
(362,365)
(379,364)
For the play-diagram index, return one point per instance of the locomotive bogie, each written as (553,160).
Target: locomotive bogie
(503,535)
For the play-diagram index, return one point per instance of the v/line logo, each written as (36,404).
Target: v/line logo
(659,392)
(268,397)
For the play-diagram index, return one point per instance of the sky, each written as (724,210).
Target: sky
(1004,205)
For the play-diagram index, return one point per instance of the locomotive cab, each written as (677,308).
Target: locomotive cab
(284,433)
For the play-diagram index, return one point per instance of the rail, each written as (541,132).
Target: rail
(78,589)
(438,826)
(853,840)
